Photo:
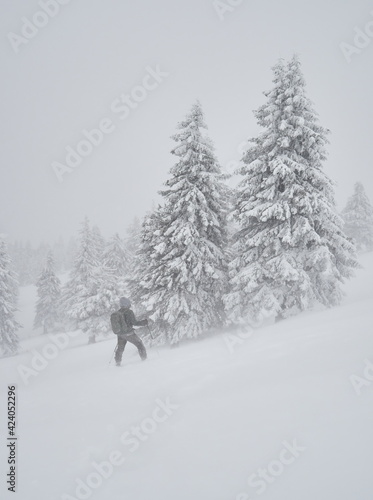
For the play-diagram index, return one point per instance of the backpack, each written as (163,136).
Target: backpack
(116,320)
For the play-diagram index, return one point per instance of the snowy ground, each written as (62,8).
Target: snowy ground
(233,404)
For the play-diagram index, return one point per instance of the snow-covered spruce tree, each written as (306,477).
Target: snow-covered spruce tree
(98,242)
(115,257)
(103,301)
(183,242)
(49,293)
(358,218)
(136,266)
(81,285)
(291,250)
(142,288)
(92,292)
(8,298)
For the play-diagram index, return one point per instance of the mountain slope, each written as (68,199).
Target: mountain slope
(226,407)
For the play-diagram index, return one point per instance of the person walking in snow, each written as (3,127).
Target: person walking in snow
(127,331)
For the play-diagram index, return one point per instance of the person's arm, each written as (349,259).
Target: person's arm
(136,322)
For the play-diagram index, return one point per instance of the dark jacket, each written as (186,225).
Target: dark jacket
(130,321)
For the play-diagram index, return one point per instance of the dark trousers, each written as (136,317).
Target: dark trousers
(133,339)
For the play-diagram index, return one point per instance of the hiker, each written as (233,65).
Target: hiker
(127,332)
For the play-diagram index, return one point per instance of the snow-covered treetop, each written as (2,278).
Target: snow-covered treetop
(358,204)
(358,218)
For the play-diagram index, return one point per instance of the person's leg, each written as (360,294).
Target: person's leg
(120,348)
(135,340)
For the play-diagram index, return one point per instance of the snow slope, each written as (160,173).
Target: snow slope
(235,403)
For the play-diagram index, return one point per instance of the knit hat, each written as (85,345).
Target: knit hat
(124,302)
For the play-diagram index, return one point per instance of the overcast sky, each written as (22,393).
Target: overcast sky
(70,75)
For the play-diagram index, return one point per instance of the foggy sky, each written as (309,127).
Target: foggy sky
(66,78)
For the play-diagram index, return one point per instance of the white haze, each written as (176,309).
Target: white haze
(65,79)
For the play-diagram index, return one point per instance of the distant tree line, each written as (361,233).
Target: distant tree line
(28,260)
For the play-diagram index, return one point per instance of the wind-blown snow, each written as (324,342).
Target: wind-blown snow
(287,381)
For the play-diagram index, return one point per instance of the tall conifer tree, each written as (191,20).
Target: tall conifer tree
(8,300)
(291,250)
(183,242)
(49,292)
(358,218)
